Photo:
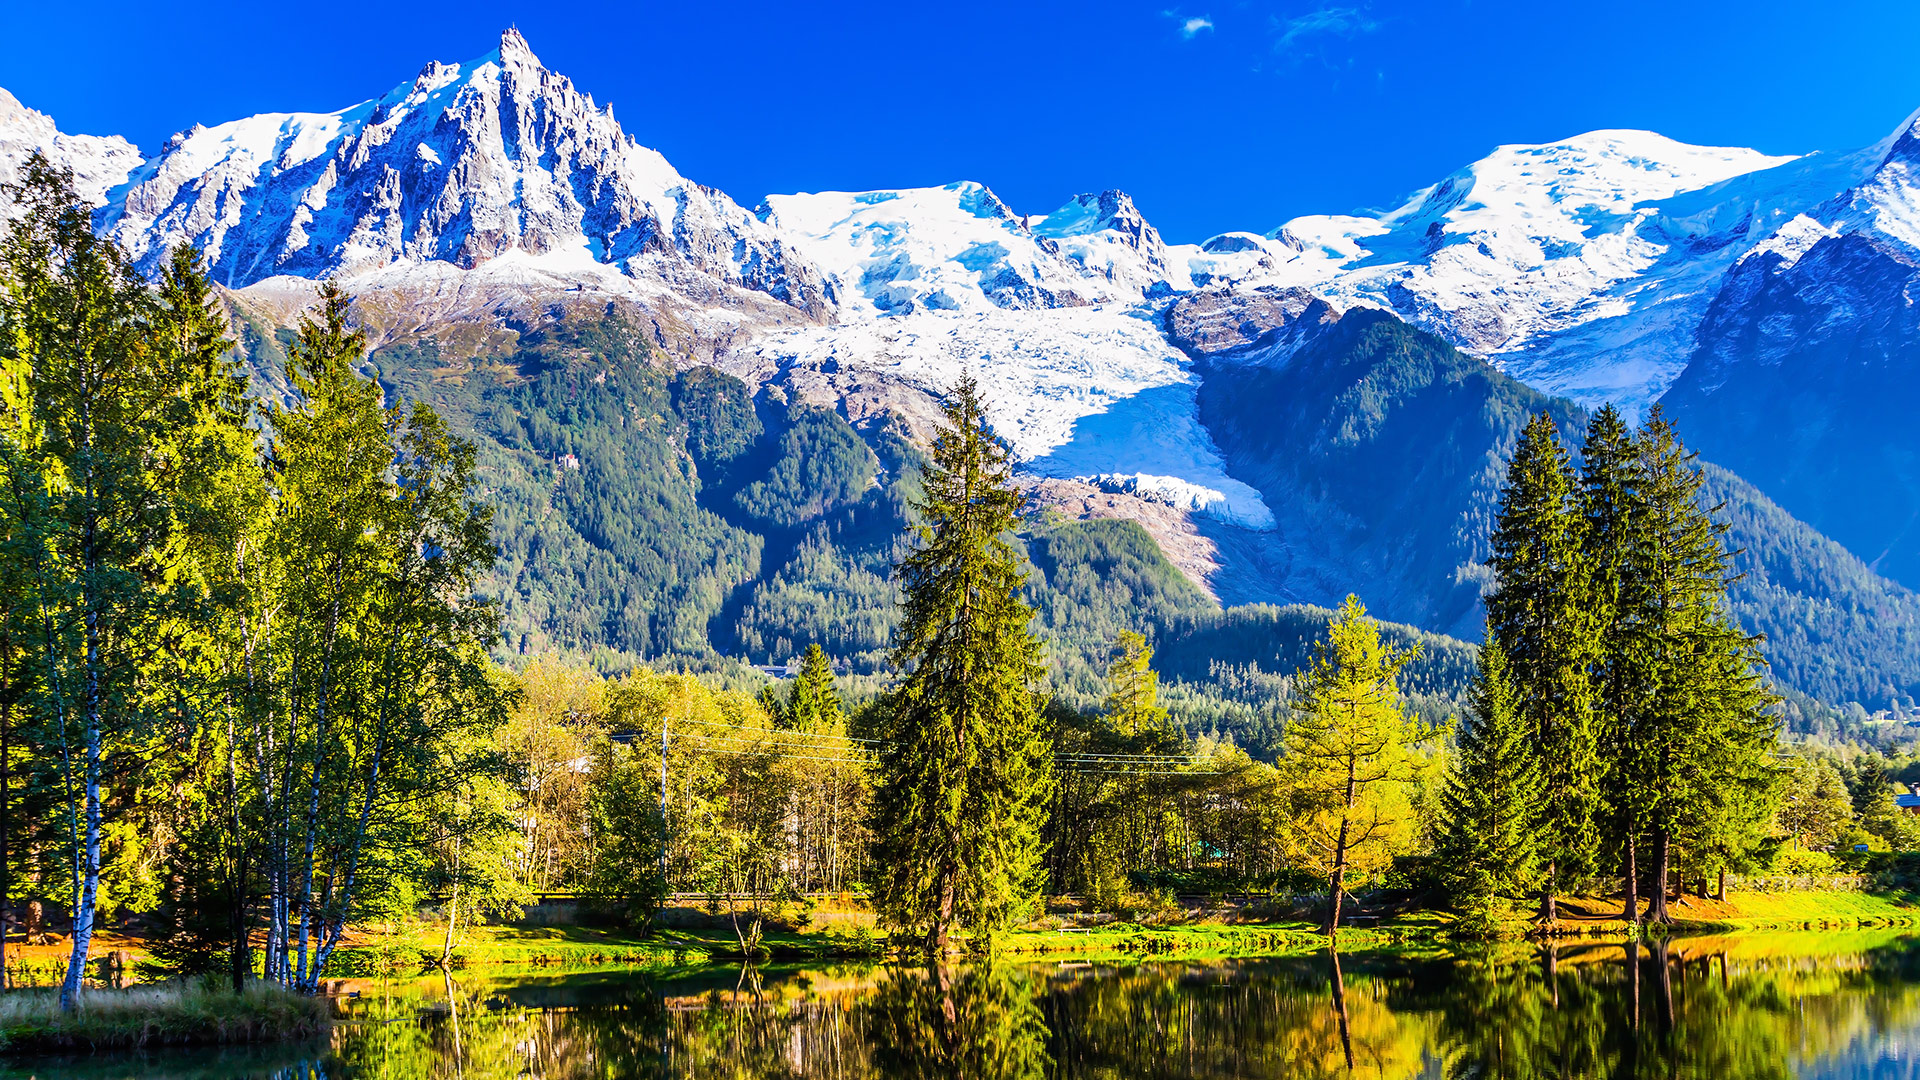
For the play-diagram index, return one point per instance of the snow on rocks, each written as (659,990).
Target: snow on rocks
(99,163)
(1079,392)
(1533,242)
(466,163)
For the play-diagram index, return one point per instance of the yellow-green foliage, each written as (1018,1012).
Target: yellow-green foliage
(168,1014)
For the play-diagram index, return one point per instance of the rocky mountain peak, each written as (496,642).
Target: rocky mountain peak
(467,164)
(514,49)
(98,162)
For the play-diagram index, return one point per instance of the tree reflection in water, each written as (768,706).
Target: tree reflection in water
(1828,1006)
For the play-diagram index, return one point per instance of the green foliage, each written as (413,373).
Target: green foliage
(820,463)
(1390,445)
(722,423)
(1350,755)
(1543,623)
(964,768)
(812,704)
(626,835)
(1382,448)
(1815,806)
(115,402)
(1494,803)
(1133,690)
(603,538)
(1834,629)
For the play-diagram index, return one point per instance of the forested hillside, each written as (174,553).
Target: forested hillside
(648,514)
(1386,446)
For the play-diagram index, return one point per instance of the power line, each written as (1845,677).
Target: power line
(784,755)
(783,731)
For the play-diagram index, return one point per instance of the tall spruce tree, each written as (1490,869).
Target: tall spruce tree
(812,704)
(965,766)
(1494,804)
(1609,482)
(1702,732)
(1544,615)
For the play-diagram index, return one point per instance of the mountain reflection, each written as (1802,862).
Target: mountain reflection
(1812,1005)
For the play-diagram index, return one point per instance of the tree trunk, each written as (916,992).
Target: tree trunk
(1657,899)
(1549,913)
(6,874)
(1659,951)
(83,910)
(239,955)
(453,908)
(1720,889)
(1337,887)
(1340,1006)
(939,934)
(1633,981)
(1631,913)
(1337,881)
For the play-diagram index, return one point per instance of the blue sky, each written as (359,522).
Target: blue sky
(1215,114)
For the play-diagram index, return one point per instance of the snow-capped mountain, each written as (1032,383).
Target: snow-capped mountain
(1804,379)
(1047,313)
(466,164)
(1534,245)
(953,248)
(490,191)
(99,163)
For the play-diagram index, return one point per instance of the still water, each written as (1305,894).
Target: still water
(1799,1005)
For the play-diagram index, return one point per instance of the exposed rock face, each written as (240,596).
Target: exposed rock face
(1106,235)
(468,164)
(1262,324)
(1808,367)
(99,163)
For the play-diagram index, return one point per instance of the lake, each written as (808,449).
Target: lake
(1813,1004)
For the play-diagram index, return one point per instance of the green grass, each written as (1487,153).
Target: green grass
(1802,910)
(166,1014)
(575,947)
(570,946)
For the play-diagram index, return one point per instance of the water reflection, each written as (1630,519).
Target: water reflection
(1778,1006)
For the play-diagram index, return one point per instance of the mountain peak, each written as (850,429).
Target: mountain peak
(98,162)
(1905,142)
(514,49)
(463,165)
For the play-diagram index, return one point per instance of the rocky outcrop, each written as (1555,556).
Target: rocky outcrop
(468,164)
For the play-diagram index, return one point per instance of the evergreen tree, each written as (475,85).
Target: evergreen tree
(825,793)
(105,384)
(1349,754)
(812,704)
(1608,482)
(964,766)
(1702,729)
(1493,803)
(1543,613)
(1121,814)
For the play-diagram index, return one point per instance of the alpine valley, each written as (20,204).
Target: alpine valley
(700,424)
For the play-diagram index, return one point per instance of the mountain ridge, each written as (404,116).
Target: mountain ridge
(481,208)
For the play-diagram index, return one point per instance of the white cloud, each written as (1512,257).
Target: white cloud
(1190,25)
(1343,22)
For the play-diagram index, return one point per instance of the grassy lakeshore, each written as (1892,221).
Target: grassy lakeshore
(166,1014)
(416,946)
